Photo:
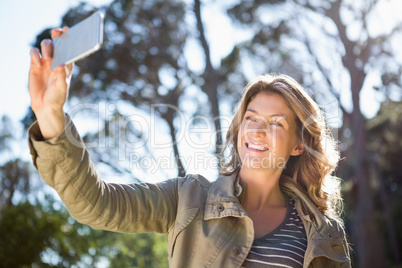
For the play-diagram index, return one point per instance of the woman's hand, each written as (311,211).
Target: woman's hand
(48,89)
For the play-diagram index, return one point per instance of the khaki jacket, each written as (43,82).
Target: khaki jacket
(206,223)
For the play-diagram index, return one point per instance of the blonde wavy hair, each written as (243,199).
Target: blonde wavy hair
(311,171)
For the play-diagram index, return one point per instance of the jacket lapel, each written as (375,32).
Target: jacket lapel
(223,198)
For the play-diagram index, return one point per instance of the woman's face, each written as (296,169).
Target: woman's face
(267,134)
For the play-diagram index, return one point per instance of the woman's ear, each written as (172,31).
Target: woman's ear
(298,149)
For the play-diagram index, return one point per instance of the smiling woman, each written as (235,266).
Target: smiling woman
(277,140)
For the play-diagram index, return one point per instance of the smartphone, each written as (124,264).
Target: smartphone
(79,41)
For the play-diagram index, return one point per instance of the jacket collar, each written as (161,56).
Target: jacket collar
(307,210)
(325,233)
(223,198)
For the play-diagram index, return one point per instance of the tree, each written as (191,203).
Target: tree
(142,67)
(141,64)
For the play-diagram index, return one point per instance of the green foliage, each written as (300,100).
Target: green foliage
(135,250)
(142,38)
(14,172)
(23,236)
(29,232)
(38,235)
(15,176)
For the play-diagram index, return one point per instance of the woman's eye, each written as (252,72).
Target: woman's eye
(276,124)
(250,118)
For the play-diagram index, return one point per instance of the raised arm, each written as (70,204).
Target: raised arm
(63,162)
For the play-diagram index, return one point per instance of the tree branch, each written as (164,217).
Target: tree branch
(323,70)
(200,27)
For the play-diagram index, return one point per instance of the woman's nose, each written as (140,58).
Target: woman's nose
(260,128)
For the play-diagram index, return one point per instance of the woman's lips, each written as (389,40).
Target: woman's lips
(256,147)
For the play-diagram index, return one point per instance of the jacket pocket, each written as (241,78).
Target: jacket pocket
(184,218)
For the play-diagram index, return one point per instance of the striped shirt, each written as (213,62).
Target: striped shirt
(283,247)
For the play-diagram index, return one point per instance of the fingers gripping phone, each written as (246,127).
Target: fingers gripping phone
(79,41)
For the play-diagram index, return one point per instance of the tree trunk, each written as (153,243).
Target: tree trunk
(211,89)
(180,167)
(211,79)
(367,237)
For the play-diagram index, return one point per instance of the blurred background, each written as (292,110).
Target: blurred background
(155,102)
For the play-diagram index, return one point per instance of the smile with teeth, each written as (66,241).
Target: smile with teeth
(256,147)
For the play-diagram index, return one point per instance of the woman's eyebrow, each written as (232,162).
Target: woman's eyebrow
(272,115)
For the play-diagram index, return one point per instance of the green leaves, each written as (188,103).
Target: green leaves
(39,235)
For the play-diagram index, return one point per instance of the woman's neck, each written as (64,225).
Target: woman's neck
(262,189)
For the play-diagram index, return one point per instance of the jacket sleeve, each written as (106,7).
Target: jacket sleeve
(64,163)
